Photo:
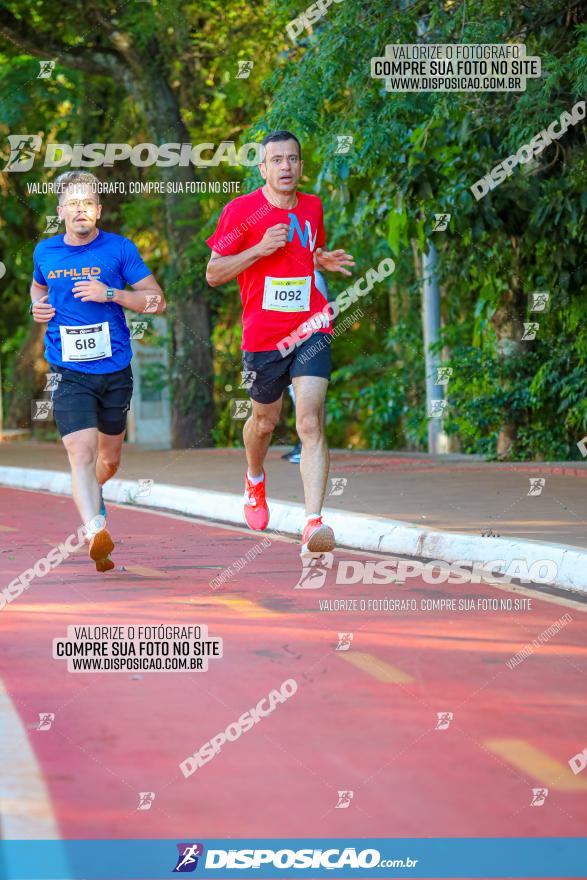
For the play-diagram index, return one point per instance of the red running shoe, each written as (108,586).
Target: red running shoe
(316,537)
(256,510)
(101,546)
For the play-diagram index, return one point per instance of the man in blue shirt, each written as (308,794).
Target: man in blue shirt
(78,291)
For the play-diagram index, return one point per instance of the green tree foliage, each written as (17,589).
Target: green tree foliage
(415,155)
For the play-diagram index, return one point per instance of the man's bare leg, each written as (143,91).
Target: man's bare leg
(257,436)
(257,433)
(109,453)
(310,395)
(82,450)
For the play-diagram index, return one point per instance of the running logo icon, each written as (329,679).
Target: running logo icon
(146,799)
(22,151)
(152,302)
(443,374)
(248,379)
(52,381)
(539,301)
(51,224)
(536,485)
(530,330)
(344,143)
(314,571)
(444,719)
(46,69)
(137,329)
(244,69)
(240,409)
(144,488)
(46,719)
(344,641)
(441,222)
(344,800)
(42,410)
(539,795)
(436,408)
(338,485)
(187,860)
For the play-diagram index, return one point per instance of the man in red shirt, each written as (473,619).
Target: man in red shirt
(271,240)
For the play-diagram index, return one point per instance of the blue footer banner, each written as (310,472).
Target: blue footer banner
(371,857)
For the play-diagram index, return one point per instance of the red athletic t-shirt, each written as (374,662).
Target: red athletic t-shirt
(278,292)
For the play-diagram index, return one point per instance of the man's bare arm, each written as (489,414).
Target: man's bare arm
(145,296)
(222,269)
(42,312)
(150,295)
(37,291)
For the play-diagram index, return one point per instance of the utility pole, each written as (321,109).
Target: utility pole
(431,327)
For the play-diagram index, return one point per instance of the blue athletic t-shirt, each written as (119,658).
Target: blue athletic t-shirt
(112,259)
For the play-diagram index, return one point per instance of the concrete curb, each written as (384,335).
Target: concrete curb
(356,531)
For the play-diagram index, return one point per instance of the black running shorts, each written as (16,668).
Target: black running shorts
(91,400)
(267,373)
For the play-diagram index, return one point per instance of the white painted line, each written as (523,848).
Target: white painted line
(354,530)
(26,812)
(25,807)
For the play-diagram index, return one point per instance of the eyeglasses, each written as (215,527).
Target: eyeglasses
(86,204)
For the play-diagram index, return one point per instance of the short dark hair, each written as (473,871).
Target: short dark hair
(281,135)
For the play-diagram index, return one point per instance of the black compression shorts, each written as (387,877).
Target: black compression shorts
(91,400)
(268,373)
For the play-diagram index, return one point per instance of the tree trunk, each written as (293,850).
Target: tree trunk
(508,325)
(189,312)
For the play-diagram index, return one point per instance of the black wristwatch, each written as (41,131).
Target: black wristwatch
(109,294)
(31,308)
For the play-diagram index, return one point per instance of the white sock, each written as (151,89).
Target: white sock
(95,525)
(313,516)
(255,480)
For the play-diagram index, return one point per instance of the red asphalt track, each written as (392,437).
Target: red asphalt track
(367,726)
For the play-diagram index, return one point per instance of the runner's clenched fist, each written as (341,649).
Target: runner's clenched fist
(42,310)
(275,237)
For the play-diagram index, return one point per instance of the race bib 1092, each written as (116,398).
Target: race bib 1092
(287,294)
